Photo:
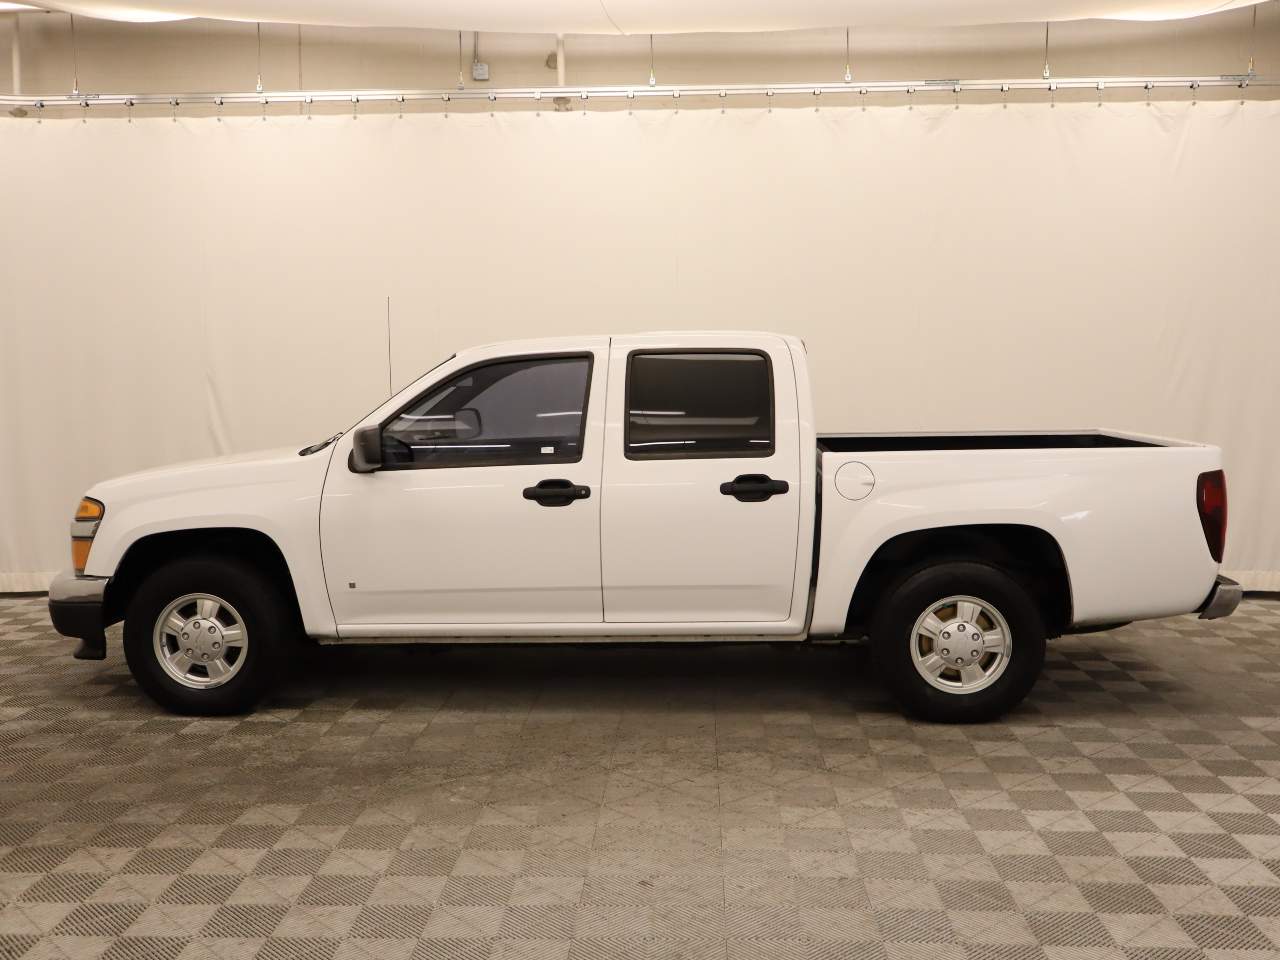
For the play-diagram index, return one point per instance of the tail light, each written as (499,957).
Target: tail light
(1211,502)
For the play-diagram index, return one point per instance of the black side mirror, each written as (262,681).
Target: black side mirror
(467,423)
(366,450)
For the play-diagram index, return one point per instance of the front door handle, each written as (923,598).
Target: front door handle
(556,493)
(753,487)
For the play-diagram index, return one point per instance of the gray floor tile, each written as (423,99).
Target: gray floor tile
(702,803)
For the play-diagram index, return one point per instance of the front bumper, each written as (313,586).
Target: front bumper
(1223,599)
(76,609)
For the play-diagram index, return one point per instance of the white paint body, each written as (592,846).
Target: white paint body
(657,551)
(1124,518)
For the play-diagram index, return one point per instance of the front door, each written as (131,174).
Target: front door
(487,508)
(702,480)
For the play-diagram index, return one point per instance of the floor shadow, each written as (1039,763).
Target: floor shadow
(748,674)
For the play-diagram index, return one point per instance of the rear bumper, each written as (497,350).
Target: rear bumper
(1223,599)
(76,609)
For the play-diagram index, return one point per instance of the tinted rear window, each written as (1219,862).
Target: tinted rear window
(699,405)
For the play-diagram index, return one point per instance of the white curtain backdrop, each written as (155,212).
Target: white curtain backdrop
(171,290)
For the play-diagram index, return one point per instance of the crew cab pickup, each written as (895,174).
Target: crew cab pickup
(655,487)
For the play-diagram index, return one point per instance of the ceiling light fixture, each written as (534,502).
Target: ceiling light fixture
(109,11)
(635,18)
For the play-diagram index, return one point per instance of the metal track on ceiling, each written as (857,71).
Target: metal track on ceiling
(672,92)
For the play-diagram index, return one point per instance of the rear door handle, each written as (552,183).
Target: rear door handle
(753,487)
(556,493)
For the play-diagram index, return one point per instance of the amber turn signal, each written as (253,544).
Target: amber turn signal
(80,554)
(89,510)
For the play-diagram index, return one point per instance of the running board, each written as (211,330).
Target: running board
(560,639)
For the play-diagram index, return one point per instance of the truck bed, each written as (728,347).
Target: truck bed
(1121,509)
(866,442)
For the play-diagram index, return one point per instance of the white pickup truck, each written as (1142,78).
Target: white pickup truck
(656,487)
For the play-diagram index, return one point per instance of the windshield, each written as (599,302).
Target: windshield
(317,447)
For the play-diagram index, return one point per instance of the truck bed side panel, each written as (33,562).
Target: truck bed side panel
(1124,517)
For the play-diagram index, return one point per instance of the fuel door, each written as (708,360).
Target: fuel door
(855,481)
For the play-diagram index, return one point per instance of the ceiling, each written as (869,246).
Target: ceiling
(641,16)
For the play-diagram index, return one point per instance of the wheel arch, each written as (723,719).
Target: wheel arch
(243,544)
(1029,552)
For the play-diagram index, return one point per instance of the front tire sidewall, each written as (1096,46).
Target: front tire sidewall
(259,608)
(918,592)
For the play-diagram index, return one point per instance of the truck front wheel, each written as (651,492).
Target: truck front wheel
(201,635)
(959,642)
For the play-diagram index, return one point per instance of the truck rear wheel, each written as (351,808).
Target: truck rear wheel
(959,642)
(201,635)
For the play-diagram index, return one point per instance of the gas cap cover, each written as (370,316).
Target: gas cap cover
(854,480)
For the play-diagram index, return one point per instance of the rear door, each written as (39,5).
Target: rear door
(701,509)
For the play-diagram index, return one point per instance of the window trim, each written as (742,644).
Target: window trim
(587,355)
(701,454)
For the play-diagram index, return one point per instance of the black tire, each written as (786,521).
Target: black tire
(268,620)
(918,591)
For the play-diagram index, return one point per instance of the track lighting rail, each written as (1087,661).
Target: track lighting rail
(673,92)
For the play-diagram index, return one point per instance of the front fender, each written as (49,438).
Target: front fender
(277,496)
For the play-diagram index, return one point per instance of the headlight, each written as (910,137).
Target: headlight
(83,529)
(89,509)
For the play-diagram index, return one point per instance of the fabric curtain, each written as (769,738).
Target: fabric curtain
(173,290)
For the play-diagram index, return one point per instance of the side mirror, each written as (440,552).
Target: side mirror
(462,424)
(467,423)
(366,450)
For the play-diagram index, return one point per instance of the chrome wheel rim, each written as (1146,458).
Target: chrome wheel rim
(200,641)
(961,644)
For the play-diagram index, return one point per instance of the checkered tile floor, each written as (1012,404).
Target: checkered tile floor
(678,802)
